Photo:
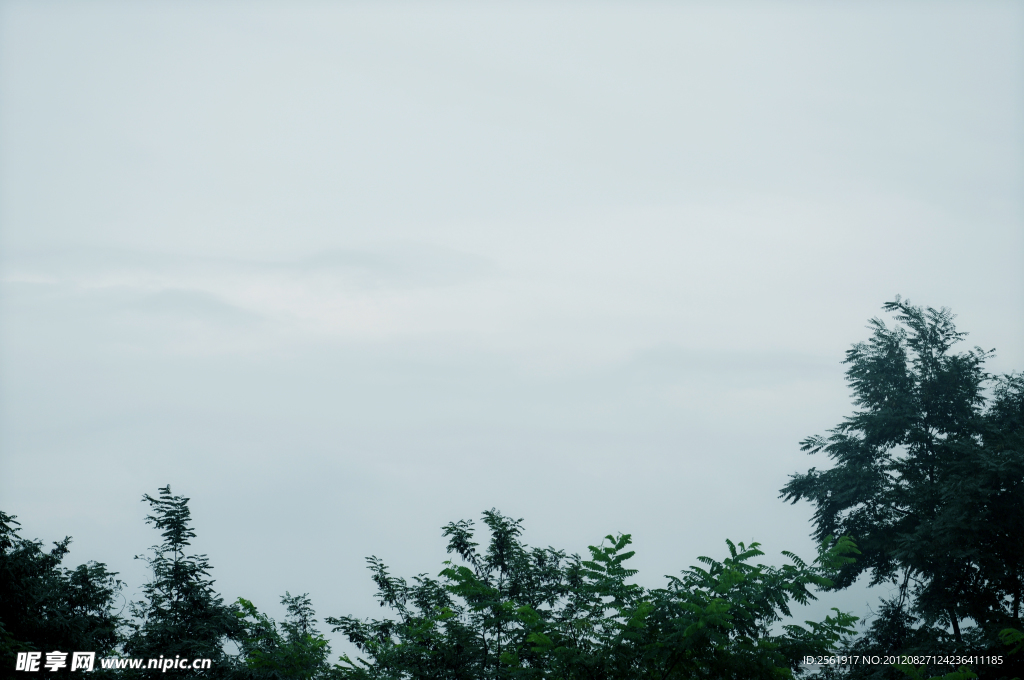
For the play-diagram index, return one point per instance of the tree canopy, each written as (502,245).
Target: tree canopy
(511,611)
(45,606)
(927,476)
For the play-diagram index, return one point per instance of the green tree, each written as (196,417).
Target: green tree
(181,613)
(46,607)
(928,478)
(512,611)
(295,650)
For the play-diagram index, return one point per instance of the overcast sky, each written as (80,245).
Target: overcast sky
(345,272)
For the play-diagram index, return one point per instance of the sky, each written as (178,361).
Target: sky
(342,273)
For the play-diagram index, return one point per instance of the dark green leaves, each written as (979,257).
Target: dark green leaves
(295,650)
(928,476)
(44,606)
(520,612)
(180,613)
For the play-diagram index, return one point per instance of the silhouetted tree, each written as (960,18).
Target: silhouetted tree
(180,614)
(928,478)
(45,607)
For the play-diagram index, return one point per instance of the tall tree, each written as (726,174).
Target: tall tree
(181,613)
(927,476)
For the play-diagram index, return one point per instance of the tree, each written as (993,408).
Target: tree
(45,607)
(928,478)
(296,650)
(181,615)
(513,611)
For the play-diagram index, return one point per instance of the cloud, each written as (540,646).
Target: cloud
(188,305)
(409,266)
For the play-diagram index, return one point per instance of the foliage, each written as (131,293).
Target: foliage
(1012,638)
(894,630)
(44,606)
(919,672)
(928,478)
(296,650)
(181,614)
(513,611)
